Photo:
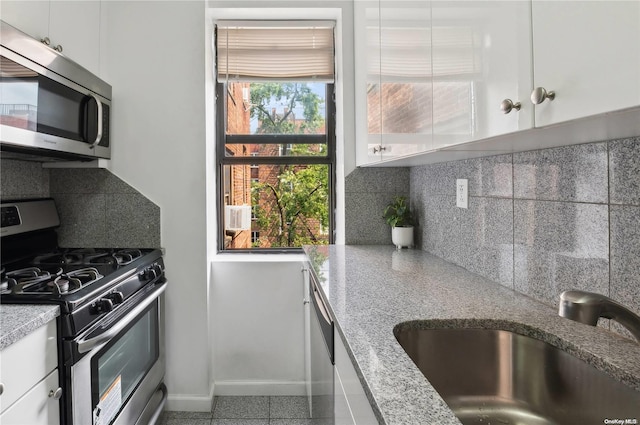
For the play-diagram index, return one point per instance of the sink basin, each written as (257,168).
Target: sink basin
(499,377)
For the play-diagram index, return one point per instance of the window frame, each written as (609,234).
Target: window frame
(222,160)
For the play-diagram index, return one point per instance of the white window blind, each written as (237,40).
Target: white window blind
(275,50)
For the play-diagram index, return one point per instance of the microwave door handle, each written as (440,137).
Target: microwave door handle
(85,345)
(100,117)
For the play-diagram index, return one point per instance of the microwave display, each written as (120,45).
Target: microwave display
(31,101)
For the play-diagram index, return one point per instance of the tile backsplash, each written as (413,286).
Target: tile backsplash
(367,193)
(96,208)
(540,222)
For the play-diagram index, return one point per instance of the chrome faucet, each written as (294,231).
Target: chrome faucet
(588,307)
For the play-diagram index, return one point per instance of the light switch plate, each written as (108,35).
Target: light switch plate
(462,193)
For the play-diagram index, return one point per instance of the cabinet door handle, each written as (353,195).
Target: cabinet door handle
(507,106)
(539,95)
(56,394)
(1,388)
(47,42)
(379,148)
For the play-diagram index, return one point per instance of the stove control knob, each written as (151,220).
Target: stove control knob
(103,305)
(149,273)
(116,297)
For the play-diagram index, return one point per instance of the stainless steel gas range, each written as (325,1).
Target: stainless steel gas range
(110,330)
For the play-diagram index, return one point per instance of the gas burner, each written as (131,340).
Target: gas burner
(71,258)
(73,280)
(59,284)
(35,280)
(89,256)
(24,279)
(126,256)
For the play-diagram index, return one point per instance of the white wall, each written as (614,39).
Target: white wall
(153,57)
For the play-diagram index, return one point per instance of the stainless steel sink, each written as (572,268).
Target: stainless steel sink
(499,377)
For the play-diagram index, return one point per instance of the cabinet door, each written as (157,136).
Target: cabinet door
(588,53)
(343,412)
(31,17)
(39,406)
(75,25)
(481,57)
(24,363)
(405,77)
(350,390)
(367,81)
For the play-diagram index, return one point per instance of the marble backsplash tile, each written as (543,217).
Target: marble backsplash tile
(367,193)
(100,210)
(23,179)
(560,246)
(96,208)
(572,174)
(624,171)
(540,222)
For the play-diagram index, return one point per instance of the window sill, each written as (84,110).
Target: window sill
(258,257)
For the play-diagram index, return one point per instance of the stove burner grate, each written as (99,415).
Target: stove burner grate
(88,256)
(37,281)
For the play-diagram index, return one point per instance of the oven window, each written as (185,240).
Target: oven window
(122,365)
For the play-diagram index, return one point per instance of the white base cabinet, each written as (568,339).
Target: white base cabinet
(29,379)
(39,406)
(352,406)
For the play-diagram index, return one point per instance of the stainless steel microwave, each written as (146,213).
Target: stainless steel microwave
(50,107)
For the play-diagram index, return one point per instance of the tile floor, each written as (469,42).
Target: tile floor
(246,410)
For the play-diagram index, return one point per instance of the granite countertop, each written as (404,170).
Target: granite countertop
(371,289)
(19,320)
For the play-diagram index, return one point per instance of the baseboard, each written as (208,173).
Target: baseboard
(190,402)
(263,388)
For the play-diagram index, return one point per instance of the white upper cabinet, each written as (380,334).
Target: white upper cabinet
(367,79)
(393,79)
(76,26)
(481,58)
(73,25)
(405,78)
(435,73)
(588,53)
(31,17)
(458,77)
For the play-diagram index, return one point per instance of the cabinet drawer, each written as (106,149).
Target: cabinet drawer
(26,362)
(36,407)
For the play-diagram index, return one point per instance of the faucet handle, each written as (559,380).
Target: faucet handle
(588,307)
(581,306)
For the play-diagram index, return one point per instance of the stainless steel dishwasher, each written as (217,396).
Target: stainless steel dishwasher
(321,356)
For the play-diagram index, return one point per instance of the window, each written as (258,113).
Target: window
(276,132)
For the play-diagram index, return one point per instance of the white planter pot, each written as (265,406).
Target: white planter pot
(402,236)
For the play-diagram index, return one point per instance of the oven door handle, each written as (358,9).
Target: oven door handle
(86,345)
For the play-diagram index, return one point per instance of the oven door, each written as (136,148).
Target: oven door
(120,378)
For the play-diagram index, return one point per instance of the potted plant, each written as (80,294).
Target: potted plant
(398,215)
